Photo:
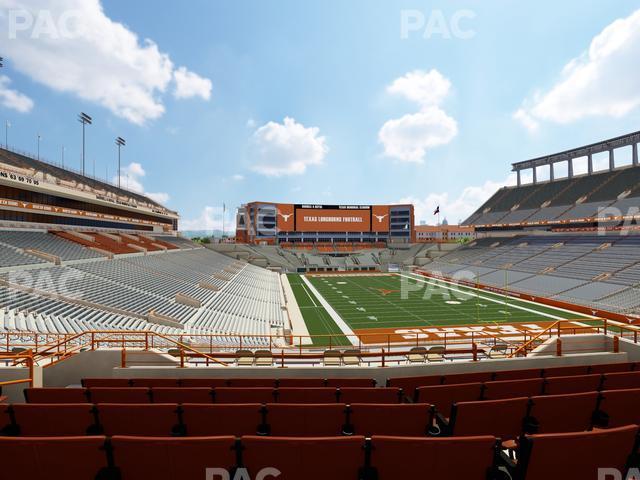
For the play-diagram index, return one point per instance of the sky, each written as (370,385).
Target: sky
(332,101)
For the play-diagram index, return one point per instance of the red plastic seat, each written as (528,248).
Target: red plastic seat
(351,382)
(251,382)
(409,384)
(370,395)
(517,374)
(56,395)
(155,420)
(307,395)
(335,458)
(182,395)
(309,420)
(407,420)
(216,419)
(562,413)
(621,381)
(120,395)
(71,458)
(301,382)
(54,420)
(437,458)
(6,424)
(203,382)
(572,384)
(155,382)
(570,371)
(244,395)
(500,418)
(172,458)
(612,368)
(620,407)
(444,396)
(458,378)
(513,388)
(575,455)
(106,382)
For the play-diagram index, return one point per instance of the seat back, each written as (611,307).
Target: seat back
(442,397)
(153,420)
(172,458)
(244,395)
(570,371)
(120,395)
(517,374)
(350,382)
(409,384)
(155,382)
(301,382)
(410,420)
(458,378)
(542,454)
(55,420)
(312,420)
(307,395)
(562,413)
(513,388)
(203,382)
(106,382)
(619,407)
(6,423)
(55,395)
(437,458)
(71,458)
(182,395)
(500,418)
(337,458)
(218,419)
(572,384)
(251,382)
(612,368)
(621,381)
(370,395)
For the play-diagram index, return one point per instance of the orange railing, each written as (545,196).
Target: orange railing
(18,358)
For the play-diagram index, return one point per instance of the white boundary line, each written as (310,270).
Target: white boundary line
(350,334)
(432,281)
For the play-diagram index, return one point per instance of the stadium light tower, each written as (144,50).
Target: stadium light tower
(120,142)
(39,138)
(6,133)
(84,119)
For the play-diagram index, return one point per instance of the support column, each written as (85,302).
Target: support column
(634,153)
(570,167)
(590,163)
(551,172)
(535,176)
(519,179)
(612,163)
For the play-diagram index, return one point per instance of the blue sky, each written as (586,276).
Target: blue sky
(317,101)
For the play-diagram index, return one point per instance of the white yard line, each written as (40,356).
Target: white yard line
(350,334)
(501,302)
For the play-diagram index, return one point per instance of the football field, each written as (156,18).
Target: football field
(392,303)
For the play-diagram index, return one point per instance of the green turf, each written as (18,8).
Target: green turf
(362,304)
(317,319)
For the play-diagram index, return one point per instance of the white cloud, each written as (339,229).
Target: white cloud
(72,46)
(189,84)
(454,209)
(409,137)
(13,99)
(210,218)
(603,81)
(237,177)
(287,148)
(527,120)
(131,179)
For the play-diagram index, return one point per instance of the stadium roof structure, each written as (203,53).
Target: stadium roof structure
(630,139)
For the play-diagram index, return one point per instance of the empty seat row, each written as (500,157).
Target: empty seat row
(444,396)
(228,382)
(409,384)
(217,395)
(341,458)
(207,419)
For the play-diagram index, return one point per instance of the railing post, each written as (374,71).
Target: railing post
(181,357)
(123,358)
(383,358)
(605,325)
(474,348)
(616,344)
(93,339)
(30,362)
(559,348)
(146,341)
(282,359)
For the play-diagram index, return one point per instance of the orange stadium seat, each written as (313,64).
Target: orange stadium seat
(6,423)
(155,382)
(71,458)
(620,381)
(371,395)
(203,382)
(562,413)
(350,382)
(409,384)
(572,384)
(120,395)
(56,395)
(336,458)
(307,395)
(517,374)
(217,419)
(56,420)
(406,420)
(458,378)
(310,420)
(437,458)
(619,407)
(612,368)
(182,395)
(158,420)
(575,455)
(106,382)
(442,397)
(251,382)
(301,382)
(513,388)
(500,418)
(570,371)
(171,458)
(244,395)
